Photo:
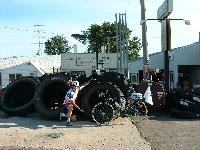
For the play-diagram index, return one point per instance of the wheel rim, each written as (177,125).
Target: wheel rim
(103,113)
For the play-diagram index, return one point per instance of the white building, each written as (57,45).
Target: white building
(85,63)
(184,65)
(12,68)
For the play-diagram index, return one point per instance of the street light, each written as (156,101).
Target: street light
(187,22)
(166,44)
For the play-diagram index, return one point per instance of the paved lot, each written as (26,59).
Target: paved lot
(167,133)
(157,132)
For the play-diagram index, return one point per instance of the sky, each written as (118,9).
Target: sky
(22,19)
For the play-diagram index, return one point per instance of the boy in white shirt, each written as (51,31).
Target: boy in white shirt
(69,102)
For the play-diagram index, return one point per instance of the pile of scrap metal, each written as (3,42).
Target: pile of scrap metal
(185,102)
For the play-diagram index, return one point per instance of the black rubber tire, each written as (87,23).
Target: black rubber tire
(0,104)
(18,96)
(1,93)
(112,77)
(50,75)
(117,79)
(50,95)
(91,98)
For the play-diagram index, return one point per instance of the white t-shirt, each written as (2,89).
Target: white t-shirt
(71,95)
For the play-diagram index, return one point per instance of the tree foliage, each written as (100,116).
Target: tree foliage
(134,48)
(98,36)
(56,45)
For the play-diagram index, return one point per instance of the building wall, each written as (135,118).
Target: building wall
(87,62)
(46,62)
(25,69)
(186,55)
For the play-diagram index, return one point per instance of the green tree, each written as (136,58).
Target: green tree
(134,48)
(56,45)
(98,36)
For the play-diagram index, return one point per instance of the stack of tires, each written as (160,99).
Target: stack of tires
(46,94)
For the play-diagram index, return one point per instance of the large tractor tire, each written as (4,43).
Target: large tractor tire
(99,92)
(117,79)
(1,93)
(110,77)
(18,97)
(50,75)
(50,96)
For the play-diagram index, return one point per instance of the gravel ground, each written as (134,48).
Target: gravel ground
(167,133)
(32,133)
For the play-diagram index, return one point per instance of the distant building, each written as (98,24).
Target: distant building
(184,66)
(12,68)
(85,63)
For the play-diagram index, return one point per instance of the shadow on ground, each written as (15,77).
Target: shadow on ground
(34,121)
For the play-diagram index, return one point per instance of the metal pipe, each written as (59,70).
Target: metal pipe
(126,38)
(120,44)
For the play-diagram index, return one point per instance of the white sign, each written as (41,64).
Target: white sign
(165,9)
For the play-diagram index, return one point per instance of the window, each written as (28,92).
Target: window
(134,77)
(12,77)
(32,74)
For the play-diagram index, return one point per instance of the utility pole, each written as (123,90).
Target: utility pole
(117,41)
(144,41)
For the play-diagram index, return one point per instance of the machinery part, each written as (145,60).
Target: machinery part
(103,113)
(18,96)
(158,95)
(186,99)
(50,95)
(136,108)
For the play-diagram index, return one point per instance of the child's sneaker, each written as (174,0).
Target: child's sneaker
(61,116)
(69,124)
